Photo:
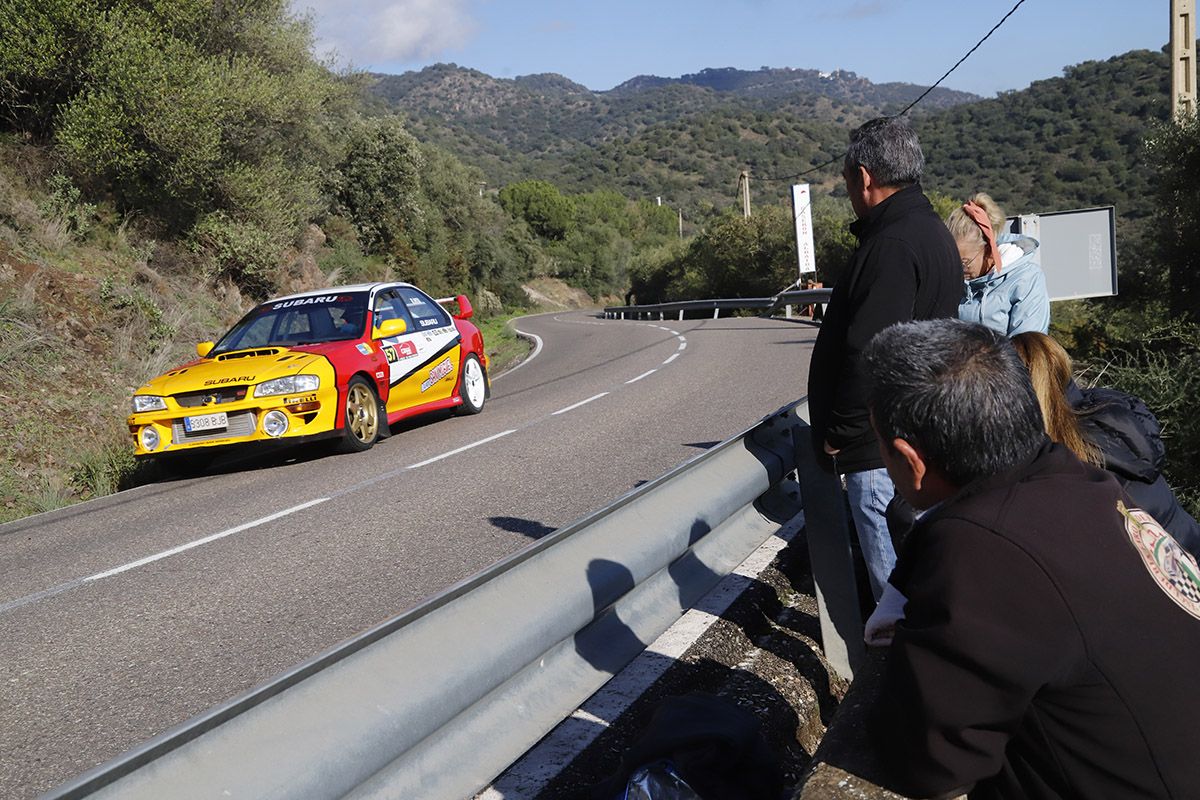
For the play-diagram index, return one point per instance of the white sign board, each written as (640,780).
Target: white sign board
(802,212)
(1078,252)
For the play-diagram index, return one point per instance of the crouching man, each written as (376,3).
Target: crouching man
(1050,642)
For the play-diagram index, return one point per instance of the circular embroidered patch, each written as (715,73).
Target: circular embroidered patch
(1172,567)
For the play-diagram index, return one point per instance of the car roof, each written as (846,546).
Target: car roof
(357,287)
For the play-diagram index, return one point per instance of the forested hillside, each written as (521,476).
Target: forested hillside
(684,139)
(1064,142)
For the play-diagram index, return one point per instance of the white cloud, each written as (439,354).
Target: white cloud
(373,32)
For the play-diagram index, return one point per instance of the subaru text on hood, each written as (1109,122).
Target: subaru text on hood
(341,363)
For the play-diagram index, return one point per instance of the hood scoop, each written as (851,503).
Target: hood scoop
(270,351)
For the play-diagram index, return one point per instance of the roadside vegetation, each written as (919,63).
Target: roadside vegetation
(164,166)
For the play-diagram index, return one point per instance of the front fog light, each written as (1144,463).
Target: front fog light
(149,438)
(275,423)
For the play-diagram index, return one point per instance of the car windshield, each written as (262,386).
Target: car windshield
(298,321)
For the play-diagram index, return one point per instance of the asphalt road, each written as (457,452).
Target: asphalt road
(125,616)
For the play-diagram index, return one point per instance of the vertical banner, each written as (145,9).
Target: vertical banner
(802,212)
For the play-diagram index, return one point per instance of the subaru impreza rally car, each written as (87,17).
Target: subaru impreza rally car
(340,363)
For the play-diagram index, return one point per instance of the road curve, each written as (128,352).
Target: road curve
(127,615)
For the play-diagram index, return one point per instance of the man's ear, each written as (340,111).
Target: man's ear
(916,462)
(864,178)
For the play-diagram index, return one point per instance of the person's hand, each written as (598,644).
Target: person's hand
(831,450)
(880,629)
(879,635)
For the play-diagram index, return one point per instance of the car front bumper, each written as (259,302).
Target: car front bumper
(307,414)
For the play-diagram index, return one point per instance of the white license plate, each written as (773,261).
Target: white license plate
(208,422)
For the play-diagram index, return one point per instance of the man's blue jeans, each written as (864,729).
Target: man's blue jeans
(869,493)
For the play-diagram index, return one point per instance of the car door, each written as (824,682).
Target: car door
(423,362)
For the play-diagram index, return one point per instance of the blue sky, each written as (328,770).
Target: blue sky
(601,44)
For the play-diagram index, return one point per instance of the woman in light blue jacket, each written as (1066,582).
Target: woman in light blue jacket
(1003,287)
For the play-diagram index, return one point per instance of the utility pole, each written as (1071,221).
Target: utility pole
(681,223)
(744,191)
(1183,58)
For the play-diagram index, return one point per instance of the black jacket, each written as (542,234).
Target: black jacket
(906,267)
(1129,437)
(1049,646)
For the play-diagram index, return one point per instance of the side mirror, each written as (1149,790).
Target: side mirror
(389,328)
(204,348)
(464,308)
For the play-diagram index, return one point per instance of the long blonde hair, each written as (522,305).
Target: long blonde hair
(1050,371)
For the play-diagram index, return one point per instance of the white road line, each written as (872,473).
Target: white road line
(464,448)
(673,333)
(643,375)
(183,547)
(577,405)
(683,345)
(672,358)
(537,348)
(157,556)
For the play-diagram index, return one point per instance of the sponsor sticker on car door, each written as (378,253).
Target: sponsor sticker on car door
(423,361)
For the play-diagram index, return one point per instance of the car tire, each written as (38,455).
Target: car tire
(360,428)
(472,385)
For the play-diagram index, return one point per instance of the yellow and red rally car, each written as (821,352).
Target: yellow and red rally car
(343,362)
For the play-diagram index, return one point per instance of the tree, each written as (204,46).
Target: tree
(377,182)
(548,212)
(1174,151)
(185,108)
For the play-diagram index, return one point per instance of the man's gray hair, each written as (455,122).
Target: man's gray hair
(958,392)
(889,150)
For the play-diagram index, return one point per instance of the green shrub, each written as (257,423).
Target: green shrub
(65,203)
(242,251)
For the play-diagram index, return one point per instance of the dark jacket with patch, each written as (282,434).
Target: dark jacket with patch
(1129,437)
(1040,655)
(906,267)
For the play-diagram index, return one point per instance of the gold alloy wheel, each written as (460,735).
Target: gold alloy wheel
(362,413)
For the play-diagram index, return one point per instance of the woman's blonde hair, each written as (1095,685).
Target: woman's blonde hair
(1050,371)
(964,229)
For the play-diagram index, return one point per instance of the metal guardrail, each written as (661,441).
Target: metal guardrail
(439,700)
(769,304)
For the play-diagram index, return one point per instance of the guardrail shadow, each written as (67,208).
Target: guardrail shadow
(606,643)
(526,527)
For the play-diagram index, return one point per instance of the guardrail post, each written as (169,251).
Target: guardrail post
(832,563)
(787,311)
(716,312)
(681,315)
(662,315)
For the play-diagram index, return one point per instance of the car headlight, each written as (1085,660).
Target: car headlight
(149,437)
(292,384)
(148,402)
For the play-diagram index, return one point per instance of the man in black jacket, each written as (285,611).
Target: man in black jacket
(1051,633)
(906,267)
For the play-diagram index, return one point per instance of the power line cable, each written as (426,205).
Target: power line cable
(910,106)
